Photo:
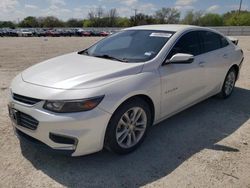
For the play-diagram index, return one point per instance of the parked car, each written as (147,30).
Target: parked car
(25,33)
(95,33)
(1,33)
(13,33)
(40,33)
(86,33)
(79,32)
(34,32)
(104,34)
(9,32)
(52,33)
(64,32)
(110,94)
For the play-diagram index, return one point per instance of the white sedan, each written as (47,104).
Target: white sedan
(110,94)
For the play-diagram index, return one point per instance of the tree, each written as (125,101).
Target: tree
(51,21)
(87,23)
(74,23)
(99,12)
(112,16)
(122,22)
(192,18)
(29,21)
(96,17)
(167,16)
(243,19)
(141,19)
(211,20)
(7,24)
(236,18)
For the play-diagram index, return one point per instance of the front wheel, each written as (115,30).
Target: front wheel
(229,84)
(128,126)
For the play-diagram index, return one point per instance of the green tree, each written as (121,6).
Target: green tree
(236,18)
(74,23)
(167,16)
(87,23)
(141,19)
(51,21)
(192,18)
(29,21)
(122,22)
(7,24)
(211,20)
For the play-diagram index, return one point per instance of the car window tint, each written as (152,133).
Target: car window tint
(211,41)
(188,44)
(224,42)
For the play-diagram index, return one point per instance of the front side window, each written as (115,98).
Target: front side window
(188,44)
(130,45)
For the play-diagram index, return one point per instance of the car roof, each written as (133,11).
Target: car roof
(165,27)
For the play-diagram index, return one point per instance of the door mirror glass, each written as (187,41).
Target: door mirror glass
(180,58)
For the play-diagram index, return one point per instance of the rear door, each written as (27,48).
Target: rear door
(216,52)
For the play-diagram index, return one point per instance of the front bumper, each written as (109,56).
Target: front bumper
(24,138)
(86,128)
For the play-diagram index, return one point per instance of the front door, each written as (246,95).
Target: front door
(182,84)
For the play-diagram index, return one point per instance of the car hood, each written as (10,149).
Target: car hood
(74,71)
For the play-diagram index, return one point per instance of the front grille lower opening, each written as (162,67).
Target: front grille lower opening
(62,139)
(27,121)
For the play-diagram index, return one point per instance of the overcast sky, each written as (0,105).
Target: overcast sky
(15,10)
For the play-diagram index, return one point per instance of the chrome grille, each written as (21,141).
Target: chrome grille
(25,100)
(27,121)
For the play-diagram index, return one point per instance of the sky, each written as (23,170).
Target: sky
(16,10)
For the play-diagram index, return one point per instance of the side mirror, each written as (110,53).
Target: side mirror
(180,58)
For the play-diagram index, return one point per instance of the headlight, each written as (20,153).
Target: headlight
(68,106)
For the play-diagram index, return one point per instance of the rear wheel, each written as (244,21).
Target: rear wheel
(229,84)
(128,126)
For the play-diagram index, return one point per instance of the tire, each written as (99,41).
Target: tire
(122,128)
(229,83)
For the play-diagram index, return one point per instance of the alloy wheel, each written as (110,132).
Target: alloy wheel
(131,127)
(229,83)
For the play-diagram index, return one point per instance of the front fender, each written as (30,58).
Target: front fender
(146,83)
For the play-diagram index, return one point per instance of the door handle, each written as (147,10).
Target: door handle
(202,64)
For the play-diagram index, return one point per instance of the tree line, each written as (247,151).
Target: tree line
(111,18)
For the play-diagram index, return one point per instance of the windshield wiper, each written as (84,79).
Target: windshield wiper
(105,56)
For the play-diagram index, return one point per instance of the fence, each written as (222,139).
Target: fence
(234,30)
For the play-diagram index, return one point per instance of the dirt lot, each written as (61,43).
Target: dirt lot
(207,145)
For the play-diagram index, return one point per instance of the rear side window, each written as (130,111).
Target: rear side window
(211,41)
(224,42)
(188,44)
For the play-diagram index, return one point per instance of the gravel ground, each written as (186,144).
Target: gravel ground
(207,145)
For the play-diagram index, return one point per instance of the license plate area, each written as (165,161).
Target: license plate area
(14,115)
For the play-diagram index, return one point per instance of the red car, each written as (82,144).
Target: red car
(86,33)
(52,33)
(104,34)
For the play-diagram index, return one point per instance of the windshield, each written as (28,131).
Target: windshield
(130,45)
